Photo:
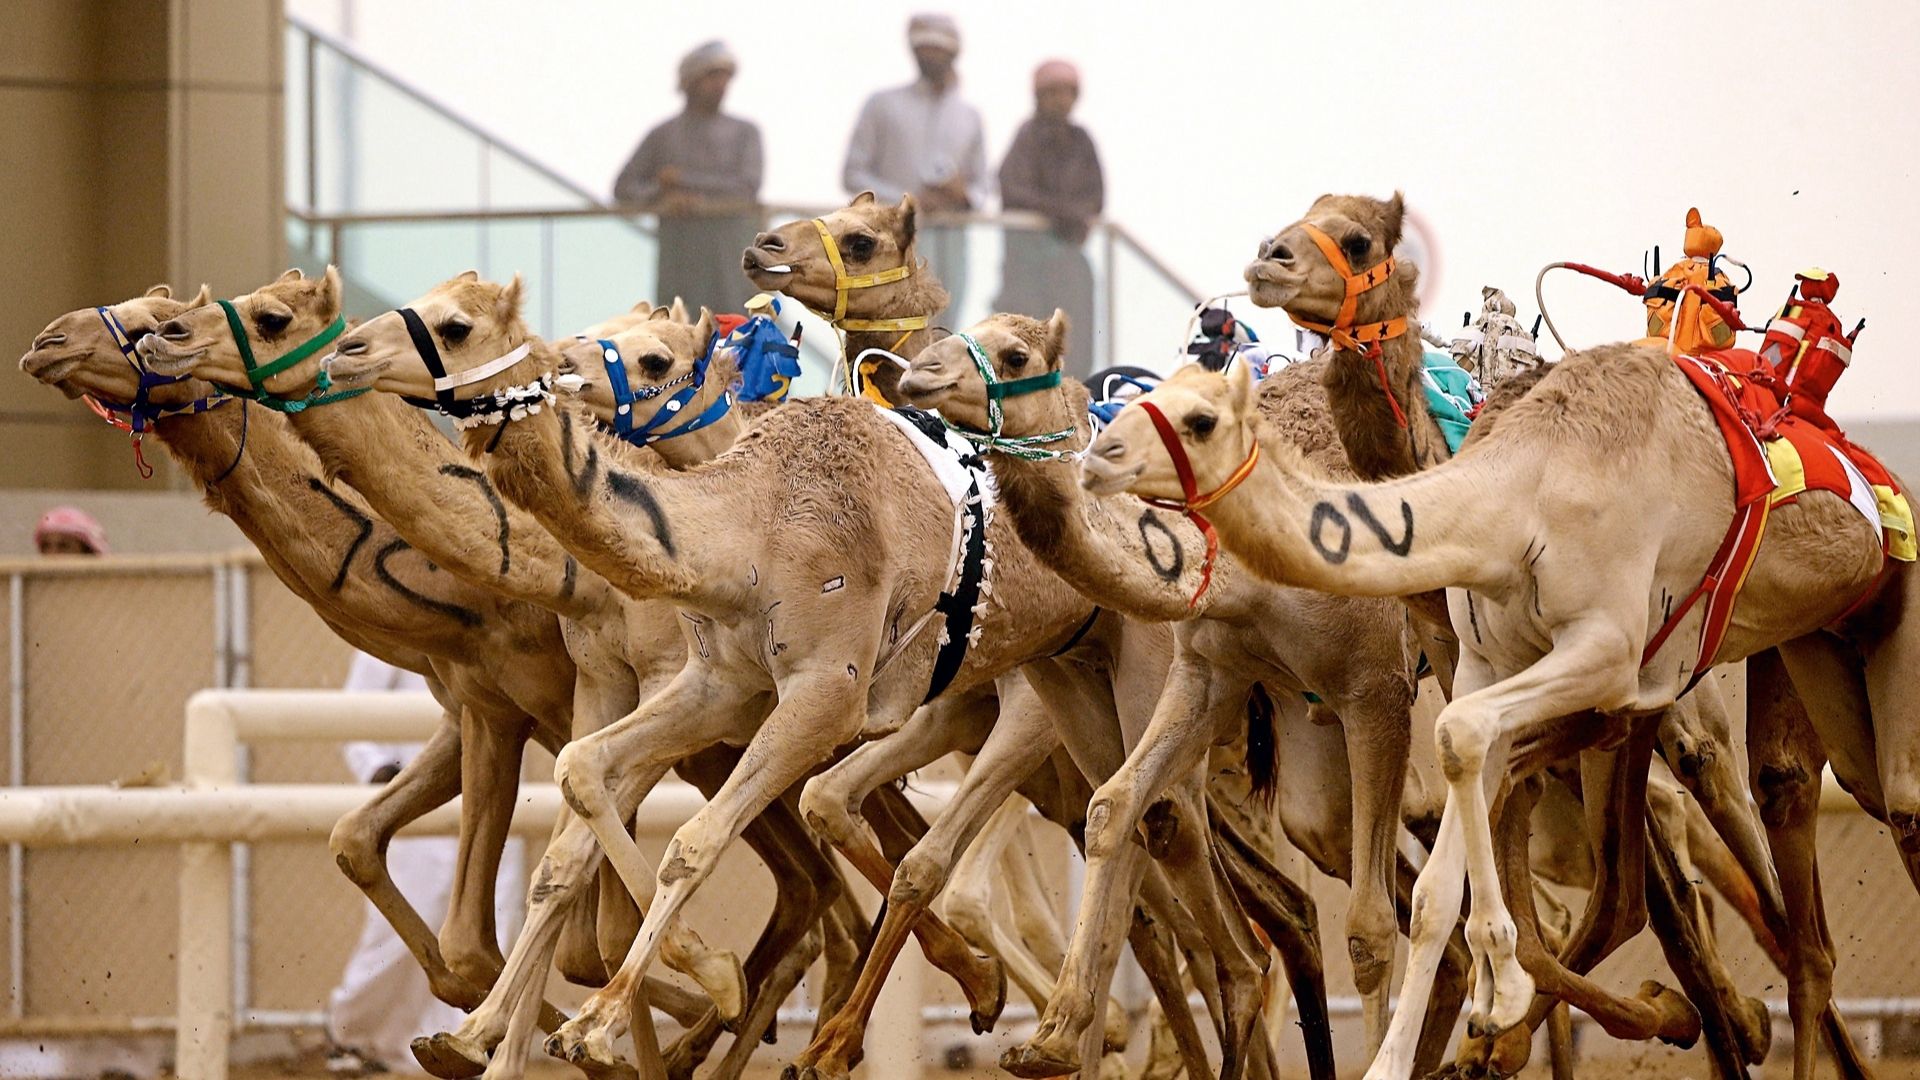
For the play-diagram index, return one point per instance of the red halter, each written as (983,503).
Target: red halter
(1364,339)
(1192,502)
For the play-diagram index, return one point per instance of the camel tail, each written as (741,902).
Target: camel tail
(1263,748)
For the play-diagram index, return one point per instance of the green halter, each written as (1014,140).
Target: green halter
(258,374)
(1024,447)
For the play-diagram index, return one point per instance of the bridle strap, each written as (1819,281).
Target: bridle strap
(423,344)
(1364,339)
(1024,447)
(258,373)
(843,283)
(1192,501)
(444,384)
(624,397)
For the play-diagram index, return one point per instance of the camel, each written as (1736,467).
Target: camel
(633,530)
(1385,440)
(884,303)
(492,668)
(625,649)
(1516,524)
(1235,633)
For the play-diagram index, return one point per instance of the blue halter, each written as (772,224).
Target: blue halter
(624,397)
(142,412)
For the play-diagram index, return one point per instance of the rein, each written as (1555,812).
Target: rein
(508,402)
(624,396)
(1192,501)
(1364,338)
(1024,447)
(141,412)
(258,374)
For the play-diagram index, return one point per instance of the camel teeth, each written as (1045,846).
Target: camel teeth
(783,268)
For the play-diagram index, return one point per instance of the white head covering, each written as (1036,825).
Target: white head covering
(935,30)
(711,56)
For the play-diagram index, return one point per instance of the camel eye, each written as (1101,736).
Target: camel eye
(860,246)
(453,333)
(1202,425)
(1355,246)
(1017,359)
(656,366)
(272,322)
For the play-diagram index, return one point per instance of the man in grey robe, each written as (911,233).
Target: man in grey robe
(1053,170)
(700,172)
(922,138)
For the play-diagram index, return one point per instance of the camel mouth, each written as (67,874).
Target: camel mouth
(1103,477)
(50,368)
(349,369)
(164,357)
(1271,285)
(921,390)
(764,268)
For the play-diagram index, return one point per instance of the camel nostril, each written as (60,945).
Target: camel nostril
(1111,451)
(1281,253)
(770,242)
(173,330)
(352,347)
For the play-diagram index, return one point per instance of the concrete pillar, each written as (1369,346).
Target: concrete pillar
(143,143)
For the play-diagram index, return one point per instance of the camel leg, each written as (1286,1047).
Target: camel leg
(848,936)
(765,1010)
(490,779)
(816,713)
(1191,708)
(1786,759)
(969,896)
(1377,732)
(1153,947)
(1021,736)
(1891,660)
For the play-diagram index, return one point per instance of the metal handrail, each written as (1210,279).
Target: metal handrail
(453,115)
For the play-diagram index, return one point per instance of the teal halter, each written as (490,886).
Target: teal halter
(258,374)
(1024,447)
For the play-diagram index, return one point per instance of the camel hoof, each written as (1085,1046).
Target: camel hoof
(983,1018)
(1753,1030)
(447,1056)
(771,1035)
(1680,1025)
(617,1071)
(1510,1051)
(1029,1063)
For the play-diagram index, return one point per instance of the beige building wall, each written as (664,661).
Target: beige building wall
(142,143)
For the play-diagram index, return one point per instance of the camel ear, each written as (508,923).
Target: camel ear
(469,275)
(164,292)
(862,199)
(1057,328)
(292,274)
(909,212)
(331,290)
(1391,219)
(703,329)
(661,314)
(508,306)
(1693,217)
(1240,389)
(642,307)
(201,298)
(679,310)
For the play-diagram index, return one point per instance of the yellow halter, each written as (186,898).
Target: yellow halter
(844,283)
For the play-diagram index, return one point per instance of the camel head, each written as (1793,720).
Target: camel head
(657,350)
(872,238)
(1292,272)
(1212,414)
(78,353)
(629,318)
(472,324)
(277,319)
(945,377)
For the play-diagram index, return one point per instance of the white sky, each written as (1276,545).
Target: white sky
(1524,132)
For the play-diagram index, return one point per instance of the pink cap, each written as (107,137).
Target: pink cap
(71,521)
(1055,73)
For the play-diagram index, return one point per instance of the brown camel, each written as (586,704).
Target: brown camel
(808,474)
(1295,271)
(494,669)
(1549,636)
(1354,655)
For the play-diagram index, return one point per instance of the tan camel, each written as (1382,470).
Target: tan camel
(494,669)
(1549,636)
(1385,439)
(413,477)
(1355,655)
(807,474)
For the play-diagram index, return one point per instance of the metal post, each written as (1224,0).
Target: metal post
(1108,318)
(204,976)
(313,128)
(17,777)
(546,276)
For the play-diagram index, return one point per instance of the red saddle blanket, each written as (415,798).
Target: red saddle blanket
(1776,456)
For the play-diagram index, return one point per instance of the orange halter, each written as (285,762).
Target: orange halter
(1365,338)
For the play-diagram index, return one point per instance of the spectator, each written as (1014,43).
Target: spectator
(69,530)
(1053,170)
(922,138)
(700,172)
(383,1001)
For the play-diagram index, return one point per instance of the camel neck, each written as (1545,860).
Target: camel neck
(1412,535)
(1116,550)
(1379,444)
(415,479)
(644,531)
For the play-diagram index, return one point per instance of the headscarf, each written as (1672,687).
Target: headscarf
(71,521)
(1056,73)
(934,30)
(709,57)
